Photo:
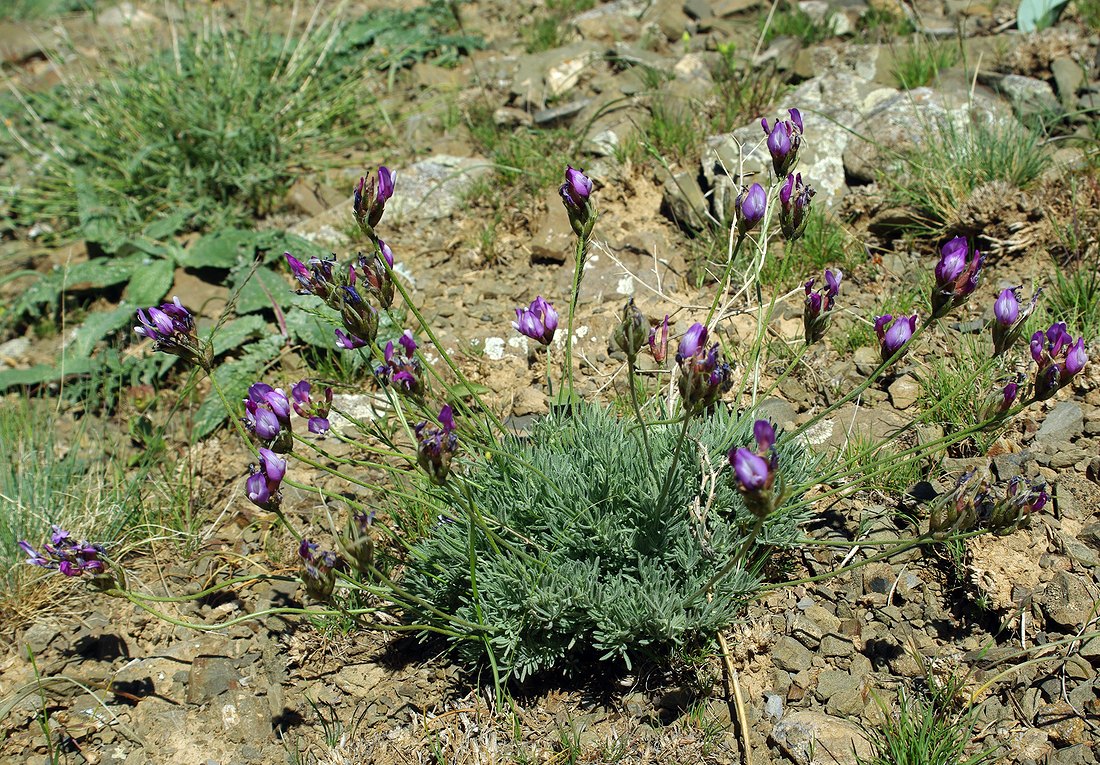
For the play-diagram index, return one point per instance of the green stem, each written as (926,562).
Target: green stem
(858,390)
(638,414)
(726,276)
(574,295)
(736,560)
(675,463)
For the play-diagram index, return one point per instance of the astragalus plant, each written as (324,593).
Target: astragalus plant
(596,535)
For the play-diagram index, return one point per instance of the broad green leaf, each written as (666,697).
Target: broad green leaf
(261,289)
(151,282)
(234,377)
(164,227)
(274,243)
(312,322)
(41,373)
(101,272)
(222,249)
(1033,15)
(233,333)
(96,327)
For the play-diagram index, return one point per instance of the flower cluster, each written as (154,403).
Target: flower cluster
(369,199)
(956,276)
(338,288)
(1001,402)
(576,195)
(318,569)
(267,416)
(894,334)
(262,485)
(315,411)
(755,472)
(67,555)
(1058,357)
(794,207)
(435,447)
(703,378)
(539,321)
(1009,318)
(784,141)
(402,371)
(973,505)
(358,542)
(819,305)
(172,328)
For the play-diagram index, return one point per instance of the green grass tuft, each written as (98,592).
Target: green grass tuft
(918,63)
(214,129)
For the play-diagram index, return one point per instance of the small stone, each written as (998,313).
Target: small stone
(813,738)
(1062,424)
(1069,77)
(791,655)
(1067,602)
(904,392)
(698,9)
(836,647)
(1011,464)
(807,631)
(209,677)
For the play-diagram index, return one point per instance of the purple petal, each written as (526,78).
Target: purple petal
(318,425)
(1007,307)
(751,470)
(764,433)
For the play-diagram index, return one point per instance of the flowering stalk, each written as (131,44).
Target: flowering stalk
(630,337)
(956,277)
(819,306)
(1058,359)
(1009,318)
(576,195)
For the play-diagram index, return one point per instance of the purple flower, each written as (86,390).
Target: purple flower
(436,446)
(369,201)
(794,207)
(172,330)
(577,187)
(538,322)
(894,334)
(316,411)
(764,433)
(404,373)
(693,341)
(576,195)
(784,141)
(273,398)
(703,378)
(1058,358)
(66,555)
(956,277)
(751,470)
(658,345)
(349,342)
(318,569)
(261,421)
(818,309)
(1009,319)
(262,485)
(752,204)
(316,279)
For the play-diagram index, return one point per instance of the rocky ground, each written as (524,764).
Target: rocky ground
(816,663)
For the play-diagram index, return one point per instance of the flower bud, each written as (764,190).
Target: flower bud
(318,570)
(658,344)
(630,335)
(358,542)
(894,334)
(576,195)
(1058,359)
(794,207)
(956,277)
(784,142)
(752,204)
(818,309)
(369,202)
(755,472)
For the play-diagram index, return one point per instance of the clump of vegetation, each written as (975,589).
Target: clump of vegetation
(918,63)
(792,21)
(950,162)
(550,30)
(930,728)
(215,128)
